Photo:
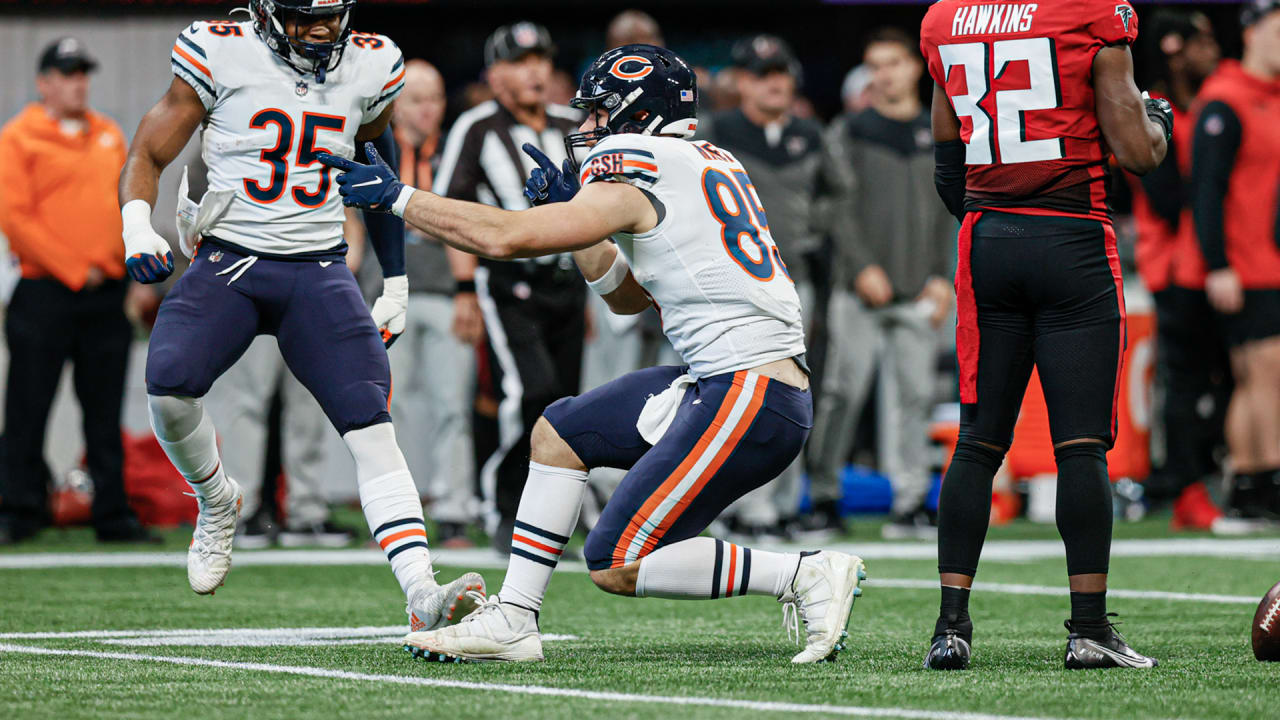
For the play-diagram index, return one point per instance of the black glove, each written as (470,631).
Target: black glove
(1160,111)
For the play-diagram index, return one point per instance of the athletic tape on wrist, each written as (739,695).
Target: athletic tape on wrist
(612,278)
(135,217)
(402,202)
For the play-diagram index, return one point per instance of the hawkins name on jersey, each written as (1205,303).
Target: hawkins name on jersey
(711,267)
(266,123)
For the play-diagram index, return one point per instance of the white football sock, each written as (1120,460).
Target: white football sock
(545,519)
(391,504)
(705,568)
(186,434)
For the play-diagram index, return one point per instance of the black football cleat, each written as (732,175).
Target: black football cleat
(1107,649)
(950,651)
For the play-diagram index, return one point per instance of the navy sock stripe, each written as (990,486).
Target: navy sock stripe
(530,556)
(746,570)
(539,531)
(715,573)
(406,546)
(397,523)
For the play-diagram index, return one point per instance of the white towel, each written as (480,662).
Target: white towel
(660,410)
(193,219)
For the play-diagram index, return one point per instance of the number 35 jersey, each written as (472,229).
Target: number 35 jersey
(266,122)
(1020,79)
(710,265)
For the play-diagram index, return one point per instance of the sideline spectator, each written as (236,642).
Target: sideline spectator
(895,244)
(534,312)
(59,163)
(1235,177)
(1193,374)
(790,168)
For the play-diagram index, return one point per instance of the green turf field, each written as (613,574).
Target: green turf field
(629,658)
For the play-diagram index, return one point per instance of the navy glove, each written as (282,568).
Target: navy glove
(369,187)
(547,183)
(1160,111)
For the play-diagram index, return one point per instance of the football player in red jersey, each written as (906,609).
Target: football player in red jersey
(1030,100)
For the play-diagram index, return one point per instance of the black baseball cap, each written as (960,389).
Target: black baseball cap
(512,42)
(66,55)
(762,54)
(1255,10)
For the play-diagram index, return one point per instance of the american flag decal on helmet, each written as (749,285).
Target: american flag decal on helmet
(686,95)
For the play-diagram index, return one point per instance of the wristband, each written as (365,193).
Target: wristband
(135,218)
(612,278)
(464,286)
(402,202)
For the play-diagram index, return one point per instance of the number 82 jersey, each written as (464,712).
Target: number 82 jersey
(266,122)
(1020,79)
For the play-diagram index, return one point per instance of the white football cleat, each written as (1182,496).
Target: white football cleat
(209,555)
(435,606)
(495,632)
(822,596)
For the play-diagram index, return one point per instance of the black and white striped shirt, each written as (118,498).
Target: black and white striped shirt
(483,162)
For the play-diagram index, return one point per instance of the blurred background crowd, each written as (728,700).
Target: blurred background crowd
(824,103)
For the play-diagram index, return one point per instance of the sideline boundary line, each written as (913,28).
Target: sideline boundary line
(541,690)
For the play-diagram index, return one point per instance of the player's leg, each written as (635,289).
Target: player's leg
(331,345)
(742,431)
(596,429)
(1080,340)
(204,325)
(994,344)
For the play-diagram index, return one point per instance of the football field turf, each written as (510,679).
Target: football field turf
(289,639)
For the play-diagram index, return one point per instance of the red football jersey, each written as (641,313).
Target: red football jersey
(1020,78)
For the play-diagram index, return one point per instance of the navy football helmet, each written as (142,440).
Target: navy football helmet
(269,18)
(644,88)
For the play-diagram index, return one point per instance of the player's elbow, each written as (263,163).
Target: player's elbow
(499,244)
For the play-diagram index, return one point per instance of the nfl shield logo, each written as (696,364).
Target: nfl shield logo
(215,256)
(301,88)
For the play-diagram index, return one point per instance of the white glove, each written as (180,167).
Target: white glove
(147,256)
(391,307)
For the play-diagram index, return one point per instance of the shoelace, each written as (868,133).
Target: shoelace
(791,620)
(483,605)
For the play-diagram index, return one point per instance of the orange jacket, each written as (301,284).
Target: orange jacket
(58,202)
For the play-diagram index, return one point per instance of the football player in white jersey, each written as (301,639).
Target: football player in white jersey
(269,258)
(688,236)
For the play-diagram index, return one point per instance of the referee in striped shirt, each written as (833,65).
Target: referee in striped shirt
(533,310)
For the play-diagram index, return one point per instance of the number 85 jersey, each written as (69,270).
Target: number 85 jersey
(710,265)
(1020,79)
(266,122)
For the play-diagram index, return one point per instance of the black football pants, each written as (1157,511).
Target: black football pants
(1042,292)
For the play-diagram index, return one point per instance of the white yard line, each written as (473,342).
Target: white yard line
(241,637)
(540,690)
(997,551)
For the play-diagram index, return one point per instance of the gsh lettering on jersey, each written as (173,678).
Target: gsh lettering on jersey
(1020,79)
(266,123)
(711,265)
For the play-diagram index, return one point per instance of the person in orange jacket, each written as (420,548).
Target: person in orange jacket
(59,162)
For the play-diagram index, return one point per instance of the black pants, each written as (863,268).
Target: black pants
(536,323)
(47,325)
(1193,387)
(1046,293)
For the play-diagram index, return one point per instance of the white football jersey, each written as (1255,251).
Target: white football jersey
(266,122)
(711,267)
